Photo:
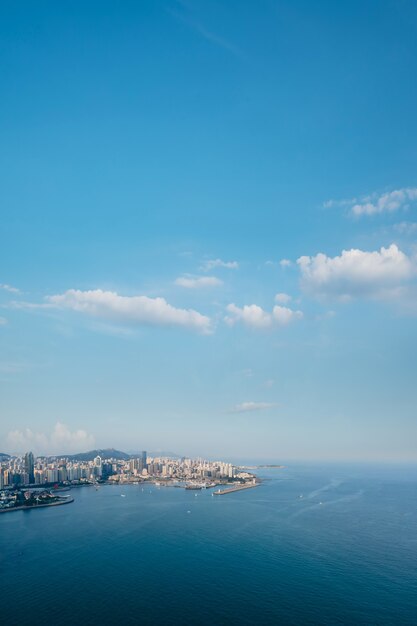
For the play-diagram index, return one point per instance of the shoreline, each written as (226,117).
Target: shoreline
(36,506)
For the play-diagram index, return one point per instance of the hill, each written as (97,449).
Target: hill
(106,453)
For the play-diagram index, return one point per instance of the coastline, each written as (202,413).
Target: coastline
(36,506)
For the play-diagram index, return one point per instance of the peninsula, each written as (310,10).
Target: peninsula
(18,500)
(28,482)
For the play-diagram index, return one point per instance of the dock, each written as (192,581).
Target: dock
(223,492)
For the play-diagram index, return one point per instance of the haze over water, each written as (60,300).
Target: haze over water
(261,556)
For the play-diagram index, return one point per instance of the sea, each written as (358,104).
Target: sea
(313,544)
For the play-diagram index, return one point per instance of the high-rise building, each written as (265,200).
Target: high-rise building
(98,466)
(30,466)
(52,475)
(144,459)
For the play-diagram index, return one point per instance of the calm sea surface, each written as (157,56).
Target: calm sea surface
(261,556)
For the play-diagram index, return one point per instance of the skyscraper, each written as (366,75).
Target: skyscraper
(30,466)
(144,459)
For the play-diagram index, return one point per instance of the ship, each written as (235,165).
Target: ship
(194,487)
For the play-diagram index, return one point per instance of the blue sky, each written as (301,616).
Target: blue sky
(209,227)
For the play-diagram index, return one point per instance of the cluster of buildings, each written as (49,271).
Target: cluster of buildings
(30,498)
(28,470)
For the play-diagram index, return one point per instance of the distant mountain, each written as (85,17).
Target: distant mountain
(107,453)
(165,453)
(156,454)
(4,456)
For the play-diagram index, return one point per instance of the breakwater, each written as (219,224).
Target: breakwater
(223,492)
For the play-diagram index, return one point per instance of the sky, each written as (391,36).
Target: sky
(208,238)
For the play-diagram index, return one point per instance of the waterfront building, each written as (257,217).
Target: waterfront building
(62,470)
(30,466)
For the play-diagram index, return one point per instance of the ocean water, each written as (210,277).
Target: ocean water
(261,556)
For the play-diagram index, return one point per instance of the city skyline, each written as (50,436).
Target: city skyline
(209,229)
(109,466)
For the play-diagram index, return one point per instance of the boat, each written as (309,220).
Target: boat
(193,487)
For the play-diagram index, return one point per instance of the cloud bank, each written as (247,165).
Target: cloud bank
(256,317)
(381,273)
(60,440)
(377,203)
(110,306)
(386,203)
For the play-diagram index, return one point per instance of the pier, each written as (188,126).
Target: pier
(223,492)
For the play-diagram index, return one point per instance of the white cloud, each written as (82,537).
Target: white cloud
(246,407)
(283,315)
(282,298)
(196,282)
(213,263)
(285,263)
(357,273)
(110,306)
(3,321)
(406,228)
(9,288)
(61,440)
(375,203)
(254,316)
(386,202)
(251,315)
